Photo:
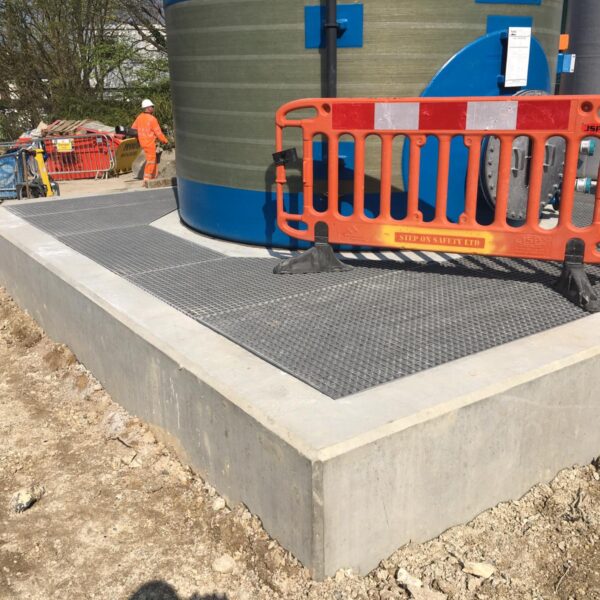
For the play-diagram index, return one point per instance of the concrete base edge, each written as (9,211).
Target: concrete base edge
(243,459)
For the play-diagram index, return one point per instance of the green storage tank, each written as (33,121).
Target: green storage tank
(234,62)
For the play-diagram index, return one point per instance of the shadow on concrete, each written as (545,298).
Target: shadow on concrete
(175,185)
(161,590)
(483,267)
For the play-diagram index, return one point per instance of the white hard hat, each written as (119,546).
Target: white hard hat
(147,103)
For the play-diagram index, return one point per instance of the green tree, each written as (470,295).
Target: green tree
(148,18)
(78,59)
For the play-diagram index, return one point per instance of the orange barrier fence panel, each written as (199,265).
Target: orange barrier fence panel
(572,118)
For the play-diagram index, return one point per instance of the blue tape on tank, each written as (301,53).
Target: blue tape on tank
(534,2)
(565,63)
(502,22)
(349,17)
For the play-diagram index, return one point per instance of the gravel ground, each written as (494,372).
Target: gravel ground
(92,505)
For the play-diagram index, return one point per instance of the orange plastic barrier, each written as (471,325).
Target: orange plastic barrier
(539,118)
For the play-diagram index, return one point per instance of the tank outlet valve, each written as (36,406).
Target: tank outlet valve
(588,147)
(586,185)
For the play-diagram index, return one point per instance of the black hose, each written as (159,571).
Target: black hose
(331,35)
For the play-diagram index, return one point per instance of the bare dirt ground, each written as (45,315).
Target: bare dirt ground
(126,182)
(94,187)
(121,518)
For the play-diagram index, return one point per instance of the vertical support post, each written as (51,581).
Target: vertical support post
(596,219)
(565,216)
(321,258)
(414,173)
(333,174)
(536,173)
(441,196)
(385,192)
(331,34)
(503,185)
(359,175)
(307,171)
(472,186)
(25,172)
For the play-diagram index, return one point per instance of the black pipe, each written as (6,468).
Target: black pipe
(331,35)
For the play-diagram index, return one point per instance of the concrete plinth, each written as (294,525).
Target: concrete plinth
(340,483)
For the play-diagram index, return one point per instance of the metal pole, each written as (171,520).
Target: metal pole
(25,172)
(583,27)
(331,33)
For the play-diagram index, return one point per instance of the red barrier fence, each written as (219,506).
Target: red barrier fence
(80,157)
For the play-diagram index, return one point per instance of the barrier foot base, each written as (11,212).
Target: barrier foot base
(319,259)
(573,282)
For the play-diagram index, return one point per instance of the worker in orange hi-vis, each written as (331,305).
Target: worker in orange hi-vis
(148,131)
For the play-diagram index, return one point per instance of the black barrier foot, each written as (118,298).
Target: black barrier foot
(573,282)
(319,259)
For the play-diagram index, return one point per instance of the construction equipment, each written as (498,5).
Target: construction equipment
(83,149)
(23,174)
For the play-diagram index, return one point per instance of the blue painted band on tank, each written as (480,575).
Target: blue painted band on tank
(210,209)
(473,71)
(247,216)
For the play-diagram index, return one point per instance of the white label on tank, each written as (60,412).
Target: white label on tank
(517,56)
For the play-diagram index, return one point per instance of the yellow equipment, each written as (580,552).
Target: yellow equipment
(43,172)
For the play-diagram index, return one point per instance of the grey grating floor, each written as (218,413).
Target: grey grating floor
(583,210)
(136,250)
(339,332)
